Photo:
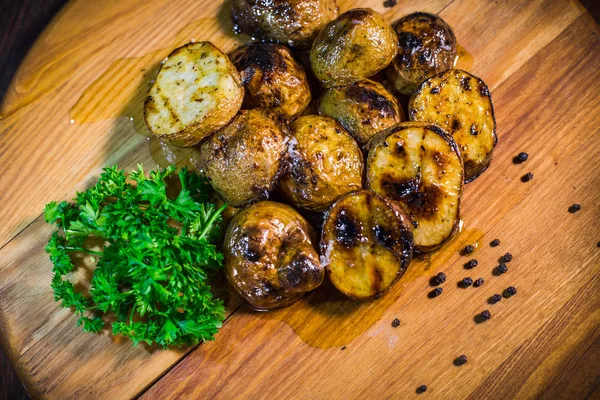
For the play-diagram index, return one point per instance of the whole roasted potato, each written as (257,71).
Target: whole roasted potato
(418,165)
(356,45)
(270,259)
(325,163)
(366,244)
(272,78)
(427,46)
(460,103)
(363,108)
(196,92)
(244,160)
(293,22)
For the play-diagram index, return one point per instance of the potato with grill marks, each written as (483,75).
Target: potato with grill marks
(272,78)
(366,244)
(363,108)
(419,166)
(196,92)
(245,160)
(426,46)
(355,46)
(270,259)
(293,22)
(325,163)
(460,103)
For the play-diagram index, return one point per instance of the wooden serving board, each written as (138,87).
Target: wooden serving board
(75,106)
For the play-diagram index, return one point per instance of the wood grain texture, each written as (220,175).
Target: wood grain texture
(540,59)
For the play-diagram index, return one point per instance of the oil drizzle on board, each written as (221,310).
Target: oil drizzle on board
(463,59)
(336,320)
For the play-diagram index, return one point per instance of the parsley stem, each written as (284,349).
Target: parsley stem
(92,252)
(212,219)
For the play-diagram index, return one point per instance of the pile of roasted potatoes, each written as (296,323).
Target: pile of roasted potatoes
(327,141)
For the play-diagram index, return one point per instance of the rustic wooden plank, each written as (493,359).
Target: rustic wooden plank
(556,269)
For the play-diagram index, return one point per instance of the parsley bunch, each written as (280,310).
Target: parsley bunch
(150,278)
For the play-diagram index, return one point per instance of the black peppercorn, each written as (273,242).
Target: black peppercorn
(574,208)
(390,3)
(471,264)
(460,360)
(495,243)
(478,282)
(438,279)
(527,177)
(395,323)
(485,314)
(468,249)
(435,292)
(507,257)
(521,158)
(494,299)
(500,269)
(421,389)
(466,282)
(510,291)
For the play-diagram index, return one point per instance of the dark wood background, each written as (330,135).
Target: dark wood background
(21,21)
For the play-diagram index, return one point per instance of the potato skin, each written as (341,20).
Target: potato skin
(461,104)
(356,45)
(293,22)
(270,259)
(175,116)
(325,163)
(418,165)
(272,78)
(363,108)
(427,46)
(366,244)
(245,160)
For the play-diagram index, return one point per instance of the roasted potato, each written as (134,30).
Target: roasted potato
(418,165)
(366,244)
(363,108)
(356,45)
(461,104)
(293,22)
(196,92)
(245,160)
(270,259)
(427,46)
(272,78)
(325,163)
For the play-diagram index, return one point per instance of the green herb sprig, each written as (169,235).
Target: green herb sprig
(151,274)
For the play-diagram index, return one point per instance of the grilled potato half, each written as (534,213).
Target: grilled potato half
(427,46)
(418,165)
(196,92)
(356,45)
(325,163)
(270,259)
(293,22)
(245,160)
(460,103)
(272,78)
(366,244)
(363,108)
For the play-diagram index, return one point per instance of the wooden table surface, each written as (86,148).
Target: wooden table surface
(544,81)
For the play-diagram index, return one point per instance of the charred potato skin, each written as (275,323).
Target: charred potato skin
(405,192)
(272,78)
(324,163)
(343,231)
(363,108)
(354,46)
(245,160)
(227,104)
(473,130)
(270,259)
(293,22)
(427,46)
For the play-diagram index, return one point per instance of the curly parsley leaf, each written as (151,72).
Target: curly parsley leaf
(151,274)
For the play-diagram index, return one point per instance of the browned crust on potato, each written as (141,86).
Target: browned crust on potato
(270,259)
(366,244)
